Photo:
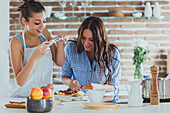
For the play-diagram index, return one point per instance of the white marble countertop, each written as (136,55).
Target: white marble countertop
(77,107)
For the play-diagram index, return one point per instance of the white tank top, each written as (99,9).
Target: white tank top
(41,74)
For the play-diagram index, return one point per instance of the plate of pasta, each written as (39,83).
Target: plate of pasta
(69,94)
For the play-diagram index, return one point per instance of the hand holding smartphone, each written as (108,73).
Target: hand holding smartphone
(58,38)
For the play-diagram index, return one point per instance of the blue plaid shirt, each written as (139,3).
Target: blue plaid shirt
(78,67)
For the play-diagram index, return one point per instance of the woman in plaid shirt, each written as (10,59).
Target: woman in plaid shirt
(91,57)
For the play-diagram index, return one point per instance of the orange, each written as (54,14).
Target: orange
(36,93)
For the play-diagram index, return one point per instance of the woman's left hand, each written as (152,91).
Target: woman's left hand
(74,84)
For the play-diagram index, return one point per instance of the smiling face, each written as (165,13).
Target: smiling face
(36,23)
(87,40)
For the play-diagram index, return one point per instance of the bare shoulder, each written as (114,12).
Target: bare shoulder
(15,44)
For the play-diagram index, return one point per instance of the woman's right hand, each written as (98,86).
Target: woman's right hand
(41,51)
(88,86)
(74,84)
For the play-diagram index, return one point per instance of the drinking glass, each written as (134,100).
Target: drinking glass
(85,4)
(73,3)
(63,5)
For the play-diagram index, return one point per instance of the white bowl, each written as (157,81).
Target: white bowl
(96,95)
(138,14)
(57,14)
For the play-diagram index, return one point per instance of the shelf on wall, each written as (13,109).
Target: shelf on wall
(105,17)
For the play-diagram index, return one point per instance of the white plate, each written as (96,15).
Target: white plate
(68,98)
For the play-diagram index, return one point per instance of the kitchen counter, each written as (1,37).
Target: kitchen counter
(77,107)
(122,91)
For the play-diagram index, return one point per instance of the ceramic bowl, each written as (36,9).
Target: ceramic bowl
(96,95)
(138,14)
(57,14)
(43,105)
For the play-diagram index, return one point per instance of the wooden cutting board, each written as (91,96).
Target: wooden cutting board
(15,105)
(101,106)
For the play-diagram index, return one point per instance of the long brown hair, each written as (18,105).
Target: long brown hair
(28,7)
(103,51)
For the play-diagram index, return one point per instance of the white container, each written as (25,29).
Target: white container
(48,10)
(96,95)
(148,10)
(157,10)
(138,14)
(58,14)
(135,96)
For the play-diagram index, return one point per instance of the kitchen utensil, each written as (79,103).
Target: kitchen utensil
(85,3)
(73,3)
(157,10)
(135,97)
(138,14)
(154,99)
(51,86)
(15,105)
(164,89)
(102,106)
(148,10)
(96,95)
(116,13)
(42,105)
(90,85)
(58,14)
(68,98)
(63,4)
(12,102)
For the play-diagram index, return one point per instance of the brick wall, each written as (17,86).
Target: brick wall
(121,31)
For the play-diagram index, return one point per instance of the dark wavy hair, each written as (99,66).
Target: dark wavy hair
(28,7)
(103,51)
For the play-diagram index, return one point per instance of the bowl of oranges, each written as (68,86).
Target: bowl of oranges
(40,100)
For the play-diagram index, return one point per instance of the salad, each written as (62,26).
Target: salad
(70,92)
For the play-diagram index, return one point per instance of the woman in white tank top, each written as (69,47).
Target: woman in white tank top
(32,59)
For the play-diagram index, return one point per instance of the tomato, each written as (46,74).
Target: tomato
(86,90)
(81,87)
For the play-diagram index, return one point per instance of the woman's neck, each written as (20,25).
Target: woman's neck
(30,36)
(31,39)
(90,56)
